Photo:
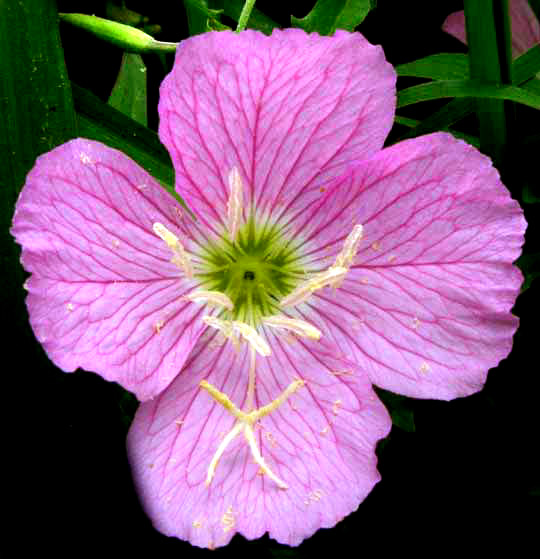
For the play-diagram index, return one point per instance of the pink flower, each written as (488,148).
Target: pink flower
(525,26)
(319,263)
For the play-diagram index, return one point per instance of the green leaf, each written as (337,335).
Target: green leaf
(129,92)
(466,88)
(329,15)
(529,264)
(257,20)
(124,36)
(452,112)
(400,409)
(198,13)
(354,13)
(442,66)
(488,37)
(36,115)
(98,121)
(416,130)
(526,66)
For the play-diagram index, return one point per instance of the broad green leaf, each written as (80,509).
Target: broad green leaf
(442,66)
(354,13)
(129,92)
(36,115)
(124,36)
(98,121)
(257,20)
(329,15)
(466,88)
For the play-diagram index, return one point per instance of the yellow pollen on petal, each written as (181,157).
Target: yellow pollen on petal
(228,520)
(210,298)
(297,326)
(181,258)
(234,204)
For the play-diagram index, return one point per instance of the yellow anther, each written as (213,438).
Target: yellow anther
(234,205)
(299,327)
(180,258)
(332,277)
(232,328)
(211,298)
(346,257)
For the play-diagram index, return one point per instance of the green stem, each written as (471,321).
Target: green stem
(488,37)
(244,15)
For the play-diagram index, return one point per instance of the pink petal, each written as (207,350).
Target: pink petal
(426,309)
(454,25)
(321,443)
(525,26)
(103,294)
(290,111)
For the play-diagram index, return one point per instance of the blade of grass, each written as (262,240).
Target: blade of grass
(489,64)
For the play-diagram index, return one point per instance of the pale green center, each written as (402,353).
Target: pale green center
(255,272)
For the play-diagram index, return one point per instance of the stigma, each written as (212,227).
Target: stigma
(245,422)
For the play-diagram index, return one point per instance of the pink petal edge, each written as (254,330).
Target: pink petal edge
(103,294)
(321,443)
(291,111)
(426,309)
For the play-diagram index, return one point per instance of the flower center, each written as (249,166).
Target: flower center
(255,271)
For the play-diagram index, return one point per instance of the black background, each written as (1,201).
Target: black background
(465,477)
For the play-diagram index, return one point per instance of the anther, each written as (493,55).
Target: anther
(210,297)
(180,257)
(233,328)
(346,257)
(299,327)
(332,277)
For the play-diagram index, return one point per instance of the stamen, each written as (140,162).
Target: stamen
(299,327)
(234,205)
(180,258)
(230,329)
(350,246)
(331,277)
(210,297)
(250,335)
